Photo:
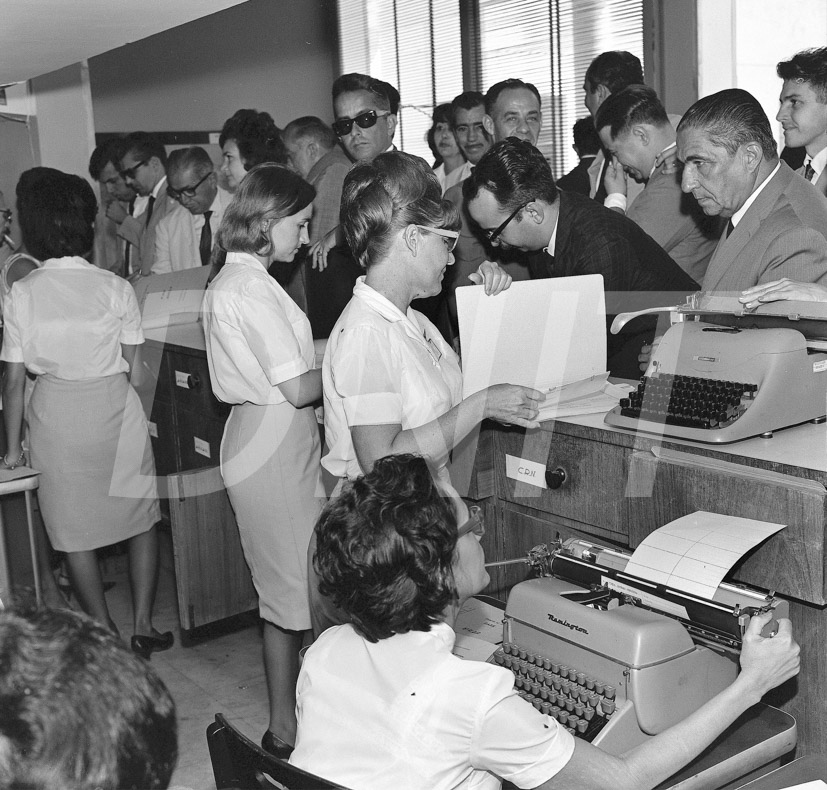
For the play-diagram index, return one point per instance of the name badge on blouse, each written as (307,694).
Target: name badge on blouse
(433,350)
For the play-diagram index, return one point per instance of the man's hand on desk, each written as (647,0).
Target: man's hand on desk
(778,290)
(766,662)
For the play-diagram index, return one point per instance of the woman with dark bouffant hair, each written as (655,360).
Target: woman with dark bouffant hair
(261,356)
(78,329)
(249,138)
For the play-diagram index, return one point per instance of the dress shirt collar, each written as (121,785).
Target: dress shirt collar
(553,241)
(69,262)
(818,163)
(739,215)
(246,259)
(162,184)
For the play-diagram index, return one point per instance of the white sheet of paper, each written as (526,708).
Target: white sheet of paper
(538,333)
(173,298)
(694,553)
(479,619)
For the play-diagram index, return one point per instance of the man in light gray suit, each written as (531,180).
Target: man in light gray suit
(777,220)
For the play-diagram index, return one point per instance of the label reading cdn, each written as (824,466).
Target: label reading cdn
(525,471)
(182,379)
(820,367)
(202,447)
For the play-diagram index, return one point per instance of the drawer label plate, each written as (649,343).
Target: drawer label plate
(153,429)
(182,379)
(202,447)
(525,471)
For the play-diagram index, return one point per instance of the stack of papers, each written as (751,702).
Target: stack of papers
(546,334)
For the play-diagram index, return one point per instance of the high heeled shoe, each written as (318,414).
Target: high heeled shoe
(145,646)
(271,743)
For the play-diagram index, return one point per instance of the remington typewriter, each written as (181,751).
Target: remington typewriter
(615,658)
(723,373)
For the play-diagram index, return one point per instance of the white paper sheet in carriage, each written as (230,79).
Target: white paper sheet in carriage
(694,553)
(538,333)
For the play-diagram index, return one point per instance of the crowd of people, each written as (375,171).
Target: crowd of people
(330,231)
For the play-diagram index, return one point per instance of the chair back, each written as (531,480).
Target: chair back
(240,764)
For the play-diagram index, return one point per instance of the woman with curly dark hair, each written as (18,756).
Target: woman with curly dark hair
(249,138)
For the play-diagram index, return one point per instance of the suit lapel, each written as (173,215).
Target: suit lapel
(730,248)
(821,182)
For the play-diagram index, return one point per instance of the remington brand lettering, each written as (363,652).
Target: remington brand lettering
(567,624)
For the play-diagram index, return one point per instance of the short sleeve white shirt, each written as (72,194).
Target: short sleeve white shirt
(406,713)
(257,336)
(69,318)
(383,367)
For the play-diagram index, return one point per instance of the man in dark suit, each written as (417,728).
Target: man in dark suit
(777,220)
(586,145)
(512,196)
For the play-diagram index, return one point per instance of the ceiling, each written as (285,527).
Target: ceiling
(39,36)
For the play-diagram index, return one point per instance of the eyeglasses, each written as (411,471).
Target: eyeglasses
(6,214)
(129,172)
(449,236)
(474,524)
(364,120)
(492,235)
(187,192)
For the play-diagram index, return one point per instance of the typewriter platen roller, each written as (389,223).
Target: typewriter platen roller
(615,658)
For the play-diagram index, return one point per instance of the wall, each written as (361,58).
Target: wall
(671,51)
(273,55)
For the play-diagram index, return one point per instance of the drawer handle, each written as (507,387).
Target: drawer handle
(193,381)
(556,477)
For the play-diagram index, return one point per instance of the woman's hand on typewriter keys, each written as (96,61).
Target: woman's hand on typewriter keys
(779,290)
(766,662)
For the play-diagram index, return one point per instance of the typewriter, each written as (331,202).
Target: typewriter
(614,658)
(722,373)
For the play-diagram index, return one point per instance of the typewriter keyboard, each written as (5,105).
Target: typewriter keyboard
(688,401)
(580,703)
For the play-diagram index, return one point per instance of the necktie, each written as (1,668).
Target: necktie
(728,230)
(205,244)
(808,171)
(127,251)
(600,193)
(149,207)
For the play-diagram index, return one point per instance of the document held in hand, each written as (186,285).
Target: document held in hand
(547,334)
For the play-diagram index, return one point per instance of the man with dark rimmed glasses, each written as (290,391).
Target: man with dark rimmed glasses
(185,238)
(512,196)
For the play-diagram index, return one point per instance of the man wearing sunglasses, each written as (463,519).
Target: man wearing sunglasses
(512,196)
(143,167)
(365,110)
(186,236)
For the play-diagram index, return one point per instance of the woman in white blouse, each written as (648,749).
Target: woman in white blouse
(78,328)
(391,383)
(261,356)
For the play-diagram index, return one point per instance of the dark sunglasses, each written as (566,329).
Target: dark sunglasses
(130,172)
(474,524)
(492,235)
(187,192)
(364,120)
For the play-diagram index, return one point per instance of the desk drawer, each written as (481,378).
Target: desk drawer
(594,487)
(199,440)
(190,386)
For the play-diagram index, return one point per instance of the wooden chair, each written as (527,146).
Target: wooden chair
(240,764)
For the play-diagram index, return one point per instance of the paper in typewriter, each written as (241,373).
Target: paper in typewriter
(695,552)
(547,334)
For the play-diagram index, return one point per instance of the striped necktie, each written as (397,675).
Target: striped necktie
(808,171)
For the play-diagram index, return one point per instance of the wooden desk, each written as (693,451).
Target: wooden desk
(620,487)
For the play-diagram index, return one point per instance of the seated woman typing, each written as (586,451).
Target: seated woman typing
(382,702)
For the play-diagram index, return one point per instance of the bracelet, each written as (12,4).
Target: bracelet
(17,463)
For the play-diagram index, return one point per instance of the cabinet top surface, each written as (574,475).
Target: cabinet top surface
(801,446)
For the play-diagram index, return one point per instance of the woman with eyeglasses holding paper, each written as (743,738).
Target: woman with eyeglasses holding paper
(261,357)
(391,382)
